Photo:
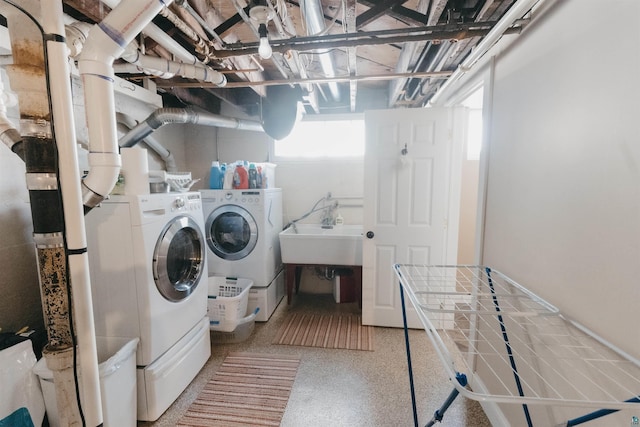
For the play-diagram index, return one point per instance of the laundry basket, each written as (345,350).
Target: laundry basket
(227,302)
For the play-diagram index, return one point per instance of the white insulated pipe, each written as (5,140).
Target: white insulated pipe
(75,236)
(107,41)
(514,13)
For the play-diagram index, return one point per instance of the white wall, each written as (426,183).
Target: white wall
(563,206)
(563,196)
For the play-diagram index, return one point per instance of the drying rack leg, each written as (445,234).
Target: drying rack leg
(439,414)
(408,348)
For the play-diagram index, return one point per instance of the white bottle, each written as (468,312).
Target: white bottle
(339,220)
(227,182)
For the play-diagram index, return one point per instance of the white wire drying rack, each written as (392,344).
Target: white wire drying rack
(511,346)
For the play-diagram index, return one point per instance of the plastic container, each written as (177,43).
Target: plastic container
(216,176)
(227,302)
(240,333)
(117,375)
(268,175)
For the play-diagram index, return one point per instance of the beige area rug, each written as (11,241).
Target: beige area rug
(247,390)
(325,331)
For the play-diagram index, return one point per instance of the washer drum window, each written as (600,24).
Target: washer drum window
(178,259)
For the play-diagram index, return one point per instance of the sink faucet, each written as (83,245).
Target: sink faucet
(328,219)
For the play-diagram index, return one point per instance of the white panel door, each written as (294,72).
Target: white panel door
(409,214)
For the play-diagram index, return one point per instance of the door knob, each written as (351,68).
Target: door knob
(370,234)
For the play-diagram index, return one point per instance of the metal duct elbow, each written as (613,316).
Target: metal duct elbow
(165,116)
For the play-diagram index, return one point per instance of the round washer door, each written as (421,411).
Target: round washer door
(232,232)
(178,259)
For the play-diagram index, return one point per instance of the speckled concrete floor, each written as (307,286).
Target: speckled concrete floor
(347,387)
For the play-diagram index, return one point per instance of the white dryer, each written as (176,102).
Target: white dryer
(148,270)
(241,230)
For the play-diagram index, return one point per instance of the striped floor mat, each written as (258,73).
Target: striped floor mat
(326,331)
(247,390)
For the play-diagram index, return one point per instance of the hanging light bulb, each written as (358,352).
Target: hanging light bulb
(261,14)
(264,48)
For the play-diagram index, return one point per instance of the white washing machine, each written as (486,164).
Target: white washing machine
(148,270)
(241,230)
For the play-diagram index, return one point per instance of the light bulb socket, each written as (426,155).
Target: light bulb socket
(262,31)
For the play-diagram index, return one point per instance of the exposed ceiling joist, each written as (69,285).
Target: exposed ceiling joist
(397,44)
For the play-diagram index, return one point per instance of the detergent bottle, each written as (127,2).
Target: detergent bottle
(227,181)
(240,177)
(216,176)
(253,176)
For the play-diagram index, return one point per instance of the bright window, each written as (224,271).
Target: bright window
(323,138)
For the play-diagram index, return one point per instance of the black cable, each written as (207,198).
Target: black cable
(505,338)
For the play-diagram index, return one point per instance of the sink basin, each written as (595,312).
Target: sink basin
(312,244)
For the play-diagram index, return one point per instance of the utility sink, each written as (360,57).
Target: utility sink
(314,244)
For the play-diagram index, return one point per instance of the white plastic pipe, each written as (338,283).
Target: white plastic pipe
(62,111)
(106,42)
(153,31)
(160,66)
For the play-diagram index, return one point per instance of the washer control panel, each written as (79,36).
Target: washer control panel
(246,197)
(187,202)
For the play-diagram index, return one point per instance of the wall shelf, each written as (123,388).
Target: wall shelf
(512,346)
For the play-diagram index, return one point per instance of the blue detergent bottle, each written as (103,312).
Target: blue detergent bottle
(253,176)
(216,176)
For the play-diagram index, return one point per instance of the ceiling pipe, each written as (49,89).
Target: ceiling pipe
(156,33)
(314,18)
(408,51)
(165,68)
(78,32)
(515,12)
(165,116)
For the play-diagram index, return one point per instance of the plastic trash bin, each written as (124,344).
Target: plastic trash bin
(117,374)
